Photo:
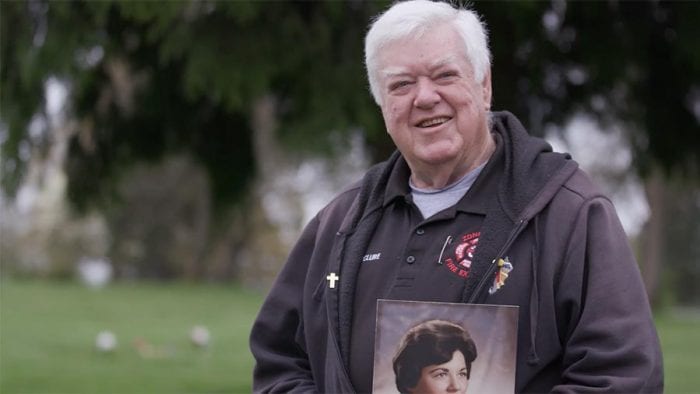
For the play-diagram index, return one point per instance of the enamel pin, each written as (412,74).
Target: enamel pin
(504,268)
(332,278)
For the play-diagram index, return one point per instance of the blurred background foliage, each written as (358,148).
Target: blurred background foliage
(180,119)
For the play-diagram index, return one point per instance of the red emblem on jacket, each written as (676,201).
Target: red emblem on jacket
(461,262)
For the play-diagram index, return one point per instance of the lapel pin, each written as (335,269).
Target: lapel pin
(332,278)
(504,268)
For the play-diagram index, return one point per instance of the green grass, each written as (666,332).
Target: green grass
(48,330)
(680,341)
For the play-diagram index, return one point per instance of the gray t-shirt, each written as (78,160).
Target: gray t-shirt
(432,201)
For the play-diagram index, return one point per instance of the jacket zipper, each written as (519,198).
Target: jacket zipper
(492,268)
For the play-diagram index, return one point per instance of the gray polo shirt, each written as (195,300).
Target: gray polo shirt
(411,258)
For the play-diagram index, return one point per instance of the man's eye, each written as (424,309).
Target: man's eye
(399,85)
(447,74)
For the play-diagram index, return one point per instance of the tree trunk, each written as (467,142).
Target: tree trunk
(268,155)
(264,252)
(653,236)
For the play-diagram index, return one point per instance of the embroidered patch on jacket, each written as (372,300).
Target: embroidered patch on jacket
(461,262)
(504,268)
(371,257)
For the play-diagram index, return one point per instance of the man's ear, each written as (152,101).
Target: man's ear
(486,90)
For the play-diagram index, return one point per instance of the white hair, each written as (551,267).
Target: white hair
(413,18)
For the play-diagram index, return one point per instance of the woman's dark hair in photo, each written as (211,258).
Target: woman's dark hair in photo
(430,343)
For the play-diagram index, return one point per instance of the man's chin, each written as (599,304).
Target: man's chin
(436,157)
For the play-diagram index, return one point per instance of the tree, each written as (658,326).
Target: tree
(151,78)
(634,62)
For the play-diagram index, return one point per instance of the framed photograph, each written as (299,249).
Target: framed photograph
(424,347)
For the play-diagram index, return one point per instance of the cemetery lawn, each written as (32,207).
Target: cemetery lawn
(679,332)
(48,330)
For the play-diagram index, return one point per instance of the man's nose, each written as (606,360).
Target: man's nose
(427,95)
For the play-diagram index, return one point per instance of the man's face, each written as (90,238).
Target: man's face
(433,109)
(450,377)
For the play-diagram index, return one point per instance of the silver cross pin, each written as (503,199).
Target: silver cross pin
(332,278)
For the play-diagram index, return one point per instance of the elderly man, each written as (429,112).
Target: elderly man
(469,209)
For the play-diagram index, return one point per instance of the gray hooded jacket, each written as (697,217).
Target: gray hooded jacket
(584,320)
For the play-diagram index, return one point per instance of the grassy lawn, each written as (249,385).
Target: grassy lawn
(680,340)
(48,330)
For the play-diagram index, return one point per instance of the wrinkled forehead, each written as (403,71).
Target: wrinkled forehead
(441,47)
(389,70)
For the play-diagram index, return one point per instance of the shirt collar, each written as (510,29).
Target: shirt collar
(477,198)
(397,187)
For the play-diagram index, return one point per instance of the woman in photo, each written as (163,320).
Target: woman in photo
(434,357)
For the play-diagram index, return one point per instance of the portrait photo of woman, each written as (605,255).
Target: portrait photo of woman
(434,357)
(432,347)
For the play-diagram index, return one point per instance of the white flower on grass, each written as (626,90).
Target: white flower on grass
(95,272)
(199,335)
(106,341)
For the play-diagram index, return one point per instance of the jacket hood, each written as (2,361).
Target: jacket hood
(533,172)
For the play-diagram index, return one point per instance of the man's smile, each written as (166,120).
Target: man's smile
(432,122)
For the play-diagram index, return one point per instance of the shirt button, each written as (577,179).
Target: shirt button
(420,231)
(410,259)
